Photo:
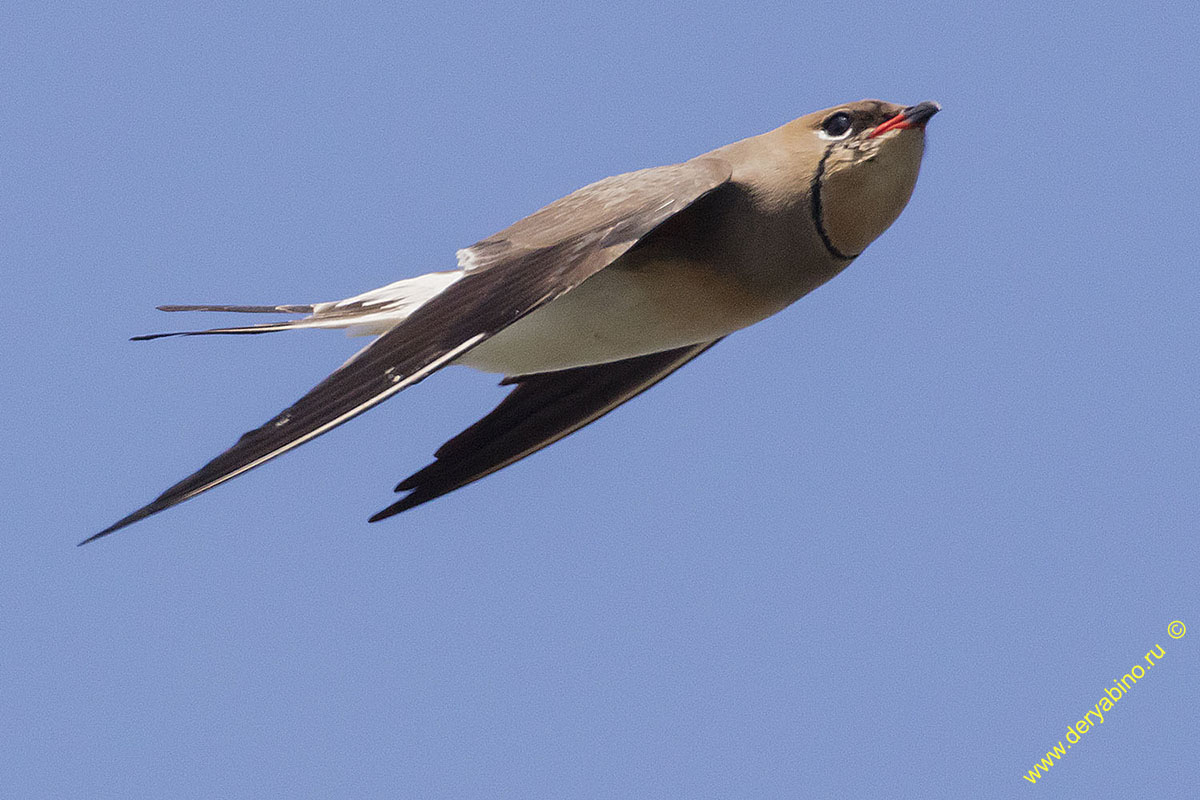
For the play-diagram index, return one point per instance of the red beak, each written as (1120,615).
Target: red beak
(911,117)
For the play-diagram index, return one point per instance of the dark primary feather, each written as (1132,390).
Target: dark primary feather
(542,409)
(512,273)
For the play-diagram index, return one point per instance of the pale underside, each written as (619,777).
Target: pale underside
(620,313)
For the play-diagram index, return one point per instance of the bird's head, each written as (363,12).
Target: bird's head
(869,154)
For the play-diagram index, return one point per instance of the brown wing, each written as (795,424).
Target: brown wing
(542,409)
(508,275)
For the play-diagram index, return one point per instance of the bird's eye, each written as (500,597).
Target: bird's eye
(836,126)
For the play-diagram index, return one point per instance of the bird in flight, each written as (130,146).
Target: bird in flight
(595,298)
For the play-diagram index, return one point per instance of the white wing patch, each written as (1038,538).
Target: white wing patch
(467,259)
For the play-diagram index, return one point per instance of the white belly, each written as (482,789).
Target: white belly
(619,314)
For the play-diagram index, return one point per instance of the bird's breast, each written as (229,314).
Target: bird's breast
(628,309)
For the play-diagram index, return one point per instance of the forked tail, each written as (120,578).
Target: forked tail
(368,314)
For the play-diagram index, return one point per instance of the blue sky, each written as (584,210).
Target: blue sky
(891,542)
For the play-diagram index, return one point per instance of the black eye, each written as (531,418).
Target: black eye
(836,124)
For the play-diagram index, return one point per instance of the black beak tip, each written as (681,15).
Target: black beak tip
(921,112)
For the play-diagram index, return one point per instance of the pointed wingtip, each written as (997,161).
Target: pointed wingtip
(110,529)
(101,534)
(384,514)
(398,507)
(126,521)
